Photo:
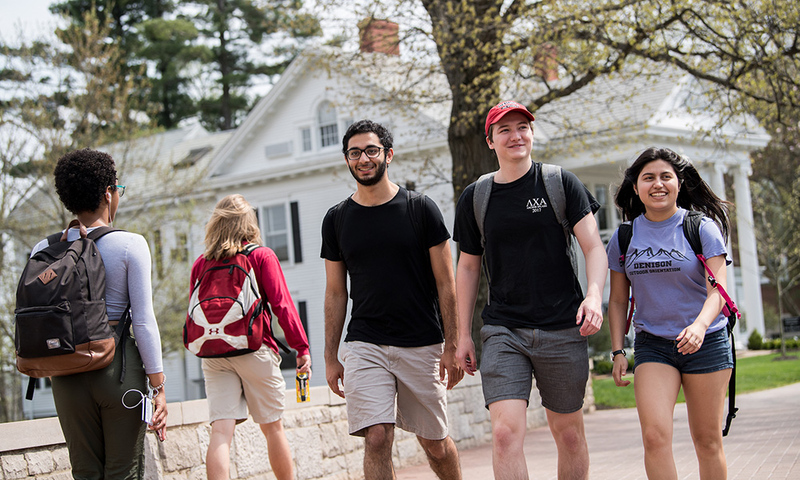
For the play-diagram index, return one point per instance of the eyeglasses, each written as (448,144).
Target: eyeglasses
(121,189)
(371,151)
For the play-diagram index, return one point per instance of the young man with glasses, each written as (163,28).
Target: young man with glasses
(536,319)
(396,249)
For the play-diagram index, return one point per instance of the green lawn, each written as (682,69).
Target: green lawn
(752,374)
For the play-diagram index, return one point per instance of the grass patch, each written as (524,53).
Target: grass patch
(752,374)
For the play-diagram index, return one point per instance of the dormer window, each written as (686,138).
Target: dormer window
(191,158)
(328,128)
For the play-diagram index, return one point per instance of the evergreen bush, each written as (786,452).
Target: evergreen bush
(755,342)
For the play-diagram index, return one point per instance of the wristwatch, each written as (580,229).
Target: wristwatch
(617,352)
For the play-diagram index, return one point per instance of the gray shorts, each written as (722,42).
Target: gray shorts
(559,360)
(376,375)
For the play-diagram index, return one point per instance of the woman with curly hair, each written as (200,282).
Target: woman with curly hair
(104,438)
(681,337)
(251,382)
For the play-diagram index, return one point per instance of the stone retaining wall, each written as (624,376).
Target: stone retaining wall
(317,433)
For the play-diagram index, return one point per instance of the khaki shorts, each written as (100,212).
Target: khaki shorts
(252,381)
(376,375)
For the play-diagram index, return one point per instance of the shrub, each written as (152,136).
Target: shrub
(603,367)
(755,342)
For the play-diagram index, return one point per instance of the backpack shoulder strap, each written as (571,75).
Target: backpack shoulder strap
(94,235)
(263,307)
(419,221)
(480,201)
(54,238)
(338,221)
(416,208)
(624,236)
(248,249)
(554,186)
(101,232)
(691,230)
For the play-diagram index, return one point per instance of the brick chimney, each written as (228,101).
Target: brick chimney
(379,36)
(545,62)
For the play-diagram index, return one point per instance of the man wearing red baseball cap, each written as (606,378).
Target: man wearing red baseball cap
(536,319)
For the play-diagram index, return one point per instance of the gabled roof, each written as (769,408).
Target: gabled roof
(660,101)
(165,164)
(420,94)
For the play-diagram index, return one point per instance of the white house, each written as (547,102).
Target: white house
(286,160)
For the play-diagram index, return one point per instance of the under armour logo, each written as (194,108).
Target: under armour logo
(47,276)
(213,331)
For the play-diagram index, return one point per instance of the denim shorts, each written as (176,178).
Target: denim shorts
(558,359)
(714,354)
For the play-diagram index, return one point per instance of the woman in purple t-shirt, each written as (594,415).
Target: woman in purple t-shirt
(681,340)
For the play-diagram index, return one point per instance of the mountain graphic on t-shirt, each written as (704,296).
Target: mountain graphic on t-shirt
(648,255)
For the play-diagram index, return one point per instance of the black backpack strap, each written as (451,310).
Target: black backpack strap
(121,331)
(248,249)
(419,221)
(731,385)
(31,387)
(54,238)
(416,208)
(338,222)
(624,236)
(691,230)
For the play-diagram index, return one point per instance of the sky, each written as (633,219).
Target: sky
(32,16)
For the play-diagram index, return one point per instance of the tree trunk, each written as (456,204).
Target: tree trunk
(471,159)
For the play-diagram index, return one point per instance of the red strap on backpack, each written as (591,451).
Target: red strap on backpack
(730,307)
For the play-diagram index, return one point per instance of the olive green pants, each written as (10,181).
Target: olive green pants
(105,440)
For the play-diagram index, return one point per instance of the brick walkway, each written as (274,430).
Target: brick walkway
(764,443)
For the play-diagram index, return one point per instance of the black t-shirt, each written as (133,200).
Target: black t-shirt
(389,270)
(533,284)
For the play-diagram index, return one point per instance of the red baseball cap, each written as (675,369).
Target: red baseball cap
(504,108)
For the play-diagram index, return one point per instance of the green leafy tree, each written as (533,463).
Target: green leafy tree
(167,47)
(120,16)
(59,97)
(744,52)
(776,205)
(171,46)
(248,39)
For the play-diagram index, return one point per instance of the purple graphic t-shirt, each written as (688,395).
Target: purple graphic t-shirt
(667,279)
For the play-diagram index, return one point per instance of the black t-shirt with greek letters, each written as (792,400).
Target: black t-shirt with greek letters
(533,284)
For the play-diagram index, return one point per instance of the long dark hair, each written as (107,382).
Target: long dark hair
(695,194)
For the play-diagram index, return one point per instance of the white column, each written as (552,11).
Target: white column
(717,184)
(751,306)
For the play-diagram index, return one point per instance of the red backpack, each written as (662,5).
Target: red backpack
(224,316)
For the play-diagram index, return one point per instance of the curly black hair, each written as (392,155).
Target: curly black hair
(367,126)
(81,179)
